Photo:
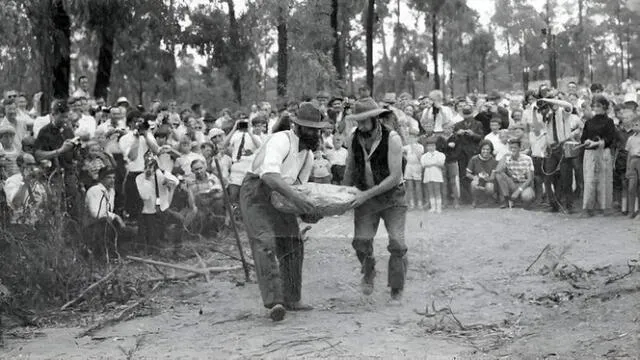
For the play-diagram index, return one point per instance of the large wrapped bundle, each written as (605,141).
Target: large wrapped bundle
(329,199)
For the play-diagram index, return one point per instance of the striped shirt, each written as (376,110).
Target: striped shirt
(518,168)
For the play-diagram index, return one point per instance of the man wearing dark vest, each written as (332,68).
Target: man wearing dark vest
(374,165)
(283,160)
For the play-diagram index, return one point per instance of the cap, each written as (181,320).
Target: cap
(515,141)
(122,99)
(7,129)
(215,132)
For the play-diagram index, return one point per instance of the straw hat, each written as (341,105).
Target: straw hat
(308,115)
(366,108)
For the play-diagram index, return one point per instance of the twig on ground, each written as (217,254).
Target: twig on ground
(331,346)
(123,315)
(291,343)
(203,265)
(205,271)
(239,317)
(485,288)
(173,278)
(164,276)
(538,257)
(91,287)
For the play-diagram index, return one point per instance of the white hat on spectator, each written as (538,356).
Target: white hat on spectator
(215,132)
(121,100)
(631,97)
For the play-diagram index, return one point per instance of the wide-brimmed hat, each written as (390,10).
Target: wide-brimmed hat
(631,97)
(7,129)
(366,108)
(309,115)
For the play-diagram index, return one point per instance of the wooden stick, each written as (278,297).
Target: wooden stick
(539,255)
(227,203)
(175,278)
(91,287)
(185,268)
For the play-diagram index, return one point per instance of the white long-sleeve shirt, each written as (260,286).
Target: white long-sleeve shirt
(100,202)
(147,191)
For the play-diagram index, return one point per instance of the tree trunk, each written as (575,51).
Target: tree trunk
(399,79)
(61,50)
(105,62)
(509,66)
(338,59)
(434,54)
(283,61)
(629,75)
(580,46)
(484,74)
(468,83)
(370,18)
(386,64)
(235,73)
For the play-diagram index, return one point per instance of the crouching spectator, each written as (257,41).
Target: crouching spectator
(156,189)
(103,225)
(206,190)
(515,176)
(25,192)
(481,170)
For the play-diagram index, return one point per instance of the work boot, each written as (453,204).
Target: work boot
(277,312)
(298,306)
(396,297)
(368,269)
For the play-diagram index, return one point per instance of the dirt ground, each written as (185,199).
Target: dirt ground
(468,266)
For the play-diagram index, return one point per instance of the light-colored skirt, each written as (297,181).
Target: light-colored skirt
(598,179)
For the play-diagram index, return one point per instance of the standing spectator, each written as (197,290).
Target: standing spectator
(448,145)
(243,143)
(413,174)
(25,192)
(86,123)
(134,145)
(187,155)
(468,135)
(494,137)
(83,88)
(11,119)
(432,163)
(598,136)
(321,171)
(491,110)
(514,175)
(9,151)
(156,189)
(481,170)
(338,159)
(206,190)
(557,123)
(55,142)
(624,131)
(437,115)
(633,166)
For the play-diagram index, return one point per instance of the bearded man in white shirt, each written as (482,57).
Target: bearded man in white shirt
(285,159)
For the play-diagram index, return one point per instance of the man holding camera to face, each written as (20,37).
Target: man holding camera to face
(134,145)
(561,127)
(56,142)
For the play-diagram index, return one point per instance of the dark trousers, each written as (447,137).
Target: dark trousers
(132,200)
(151,229)
(101,238)
(558,180)
(337,171)
(120,177)
(391,208)
(276,245)
(465,182)
(538,177)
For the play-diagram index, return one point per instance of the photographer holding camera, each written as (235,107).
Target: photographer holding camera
(56,142)
(561,126)
(243,143)
(134,145)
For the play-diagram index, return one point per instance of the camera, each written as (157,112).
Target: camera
(243,125)
(543,105)
(143,126)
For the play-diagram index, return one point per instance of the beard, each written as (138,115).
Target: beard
(366,134)
(309,141)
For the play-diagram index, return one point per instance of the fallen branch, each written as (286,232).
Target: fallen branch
(538,257)
(123,315)
(205,271)
(91,287)
(174,278)
(291,343)
(236,318)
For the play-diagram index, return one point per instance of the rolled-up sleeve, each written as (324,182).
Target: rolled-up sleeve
(274,153)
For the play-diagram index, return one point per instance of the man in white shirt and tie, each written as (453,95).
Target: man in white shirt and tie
(285,159)
(103,224)
(156,189)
